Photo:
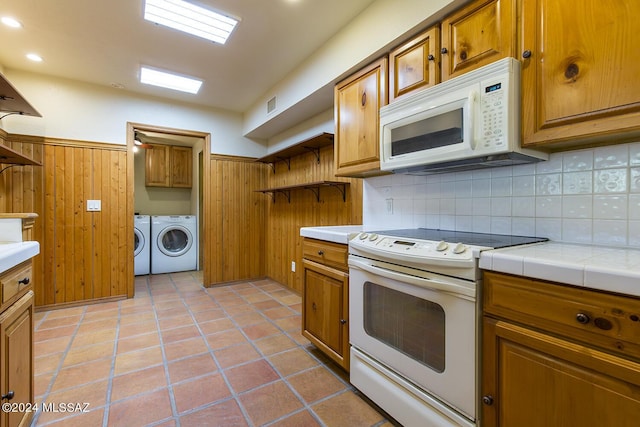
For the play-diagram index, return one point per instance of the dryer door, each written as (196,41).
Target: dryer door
(175,240)
(138,241)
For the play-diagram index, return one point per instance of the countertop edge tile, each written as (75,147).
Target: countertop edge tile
(507,263)
(335,234)
(562,272)
(613,280)
(12,254)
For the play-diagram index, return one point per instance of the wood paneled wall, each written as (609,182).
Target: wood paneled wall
(235,218)
(283,241)
(83,255)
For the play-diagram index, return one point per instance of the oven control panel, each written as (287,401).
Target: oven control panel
(411,248)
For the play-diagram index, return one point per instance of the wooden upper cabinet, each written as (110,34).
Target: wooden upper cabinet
(478,34)
(357,105)
(415,65)
(580,73)
(168,166)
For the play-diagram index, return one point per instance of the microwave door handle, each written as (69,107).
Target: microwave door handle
(433,284)
(473,96)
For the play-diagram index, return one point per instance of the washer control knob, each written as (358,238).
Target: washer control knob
(363,236)
(373,237)
(459,248)
(442,246)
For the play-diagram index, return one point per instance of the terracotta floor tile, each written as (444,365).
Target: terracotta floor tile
(42,382)
(206,315)
(89,353)
(47,363)
(270,402)
(90,338)
(82,419)
(91,316)
(292,361)
(95,394)
(76,375)
(251,375)
(141,410)
(316,384)
(289,323)
(48,334)
(347,410)
(129,310)
(225,339)
(171,312)
(260,330)
(55,345)
(275,344)
(138,342)
(257,297)
(179,334)
(299,419)
(248,317)
(296,307)
(138,328)
(216,326)
(279,313)
(90,327)
(64,312)
(139,359)
(199,392)
(226,414)
(58,322)
(185,348)
(191,367)
(138,382)
(266,305)
(104,306)
(175,321)
(236,355)
(138,317)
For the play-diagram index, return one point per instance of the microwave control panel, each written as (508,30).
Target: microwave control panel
(493,117)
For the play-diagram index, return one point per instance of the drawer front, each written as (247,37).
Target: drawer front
(328,253)
(607,320)
(15,280)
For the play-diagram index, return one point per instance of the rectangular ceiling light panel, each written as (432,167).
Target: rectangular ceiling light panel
(170,81)
(190,18)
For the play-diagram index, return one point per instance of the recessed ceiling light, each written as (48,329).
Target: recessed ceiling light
(34,57)
(169,80)
(11,22)
(192,19)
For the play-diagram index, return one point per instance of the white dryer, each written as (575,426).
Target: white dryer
(141,244)
(174,246)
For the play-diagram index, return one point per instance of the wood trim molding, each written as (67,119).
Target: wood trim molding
(65,142)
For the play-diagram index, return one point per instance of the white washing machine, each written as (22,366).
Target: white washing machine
(174,246)
(141,244)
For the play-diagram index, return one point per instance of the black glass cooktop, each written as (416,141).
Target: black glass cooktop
(494,241)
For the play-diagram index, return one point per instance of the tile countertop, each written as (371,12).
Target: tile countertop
(603,268)
(12,254)
(335,233)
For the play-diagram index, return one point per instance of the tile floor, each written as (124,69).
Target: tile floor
(181,355)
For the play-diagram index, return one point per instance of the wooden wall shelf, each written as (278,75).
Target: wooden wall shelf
(313,144)
(12,157)
(12,102)
(314,187)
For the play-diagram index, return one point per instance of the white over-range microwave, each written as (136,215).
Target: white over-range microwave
(469,122)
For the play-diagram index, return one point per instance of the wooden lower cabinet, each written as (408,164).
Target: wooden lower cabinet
(325,309)
(16,361)
(534,377)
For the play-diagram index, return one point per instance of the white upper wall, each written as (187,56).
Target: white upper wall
(86,112)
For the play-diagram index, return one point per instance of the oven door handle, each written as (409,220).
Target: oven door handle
(433,284)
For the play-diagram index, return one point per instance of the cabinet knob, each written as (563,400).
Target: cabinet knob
(487,400)
(320,253)
(526,54)
(8,396)
(24,281)
(583,318)
(431,57)
(343,321)
(443,50)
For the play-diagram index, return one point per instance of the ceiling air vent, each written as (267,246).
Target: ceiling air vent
(271,105)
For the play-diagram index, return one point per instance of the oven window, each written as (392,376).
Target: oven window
(409,324)
(432,132)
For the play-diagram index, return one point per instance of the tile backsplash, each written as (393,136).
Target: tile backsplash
(583,196)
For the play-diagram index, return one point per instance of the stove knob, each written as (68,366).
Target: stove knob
(373,237)
(442,246)
(459,248)
(363,236)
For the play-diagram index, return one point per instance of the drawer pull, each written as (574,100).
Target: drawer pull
(602,323)
(320,253)
(8,396)
(487,400)
(583,318)
(24,281)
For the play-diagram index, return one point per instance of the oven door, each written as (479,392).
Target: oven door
(425,333)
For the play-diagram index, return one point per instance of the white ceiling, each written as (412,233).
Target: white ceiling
(105,42)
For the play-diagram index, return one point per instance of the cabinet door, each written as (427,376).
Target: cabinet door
(415,65)
(16,359)
(325,311)
(534,379)
(357,105)
(478,34)
(181,167)
(581,77)
(157,166)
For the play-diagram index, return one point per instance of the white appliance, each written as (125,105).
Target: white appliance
(141,244)
(471,121)
(174,246)
(414,319)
